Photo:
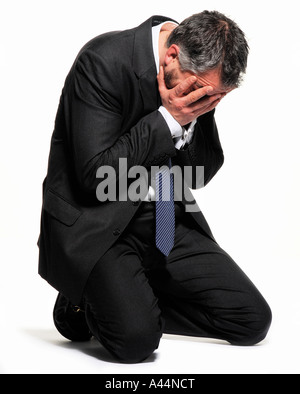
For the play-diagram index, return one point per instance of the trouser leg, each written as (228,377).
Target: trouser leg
(121,309)
(202,292)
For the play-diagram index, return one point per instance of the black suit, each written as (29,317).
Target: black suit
(109,110)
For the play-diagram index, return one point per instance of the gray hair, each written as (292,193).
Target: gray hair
(209,40)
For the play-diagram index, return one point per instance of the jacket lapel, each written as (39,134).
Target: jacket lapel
(149,90)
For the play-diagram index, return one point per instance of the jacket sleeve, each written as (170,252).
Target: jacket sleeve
(94,118)
(204,151)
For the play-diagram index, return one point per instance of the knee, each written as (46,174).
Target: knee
(130,340)
(137,342)
(257,327)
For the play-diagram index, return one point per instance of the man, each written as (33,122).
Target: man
(147,96)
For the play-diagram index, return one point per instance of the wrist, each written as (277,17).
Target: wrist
(174,126)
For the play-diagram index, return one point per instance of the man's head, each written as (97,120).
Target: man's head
(209,45)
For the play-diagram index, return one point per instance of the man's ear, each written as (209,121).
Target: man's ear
(171,54)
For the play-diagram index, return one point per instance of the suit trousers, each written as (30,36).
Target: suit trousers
(135,294)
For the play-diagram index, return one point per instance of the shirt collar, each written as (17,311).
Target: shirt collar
(155,42)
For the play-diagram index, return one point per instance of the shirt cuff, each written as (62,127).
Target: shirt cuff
(174,126)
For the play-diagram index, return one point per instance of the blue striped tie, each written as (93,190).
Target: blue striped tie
(165,211)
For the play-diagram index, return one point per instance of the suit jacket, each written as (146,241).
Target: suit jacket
(108,110)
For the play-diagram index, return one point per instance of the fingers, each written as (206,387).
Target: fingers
(184,86)
(197,94)
(205,102)
(209,107)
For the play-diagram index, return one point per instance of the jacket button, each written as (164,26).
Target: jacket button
(116,232)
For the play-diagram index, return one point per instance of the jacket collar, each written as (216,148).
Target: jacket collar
(143,57)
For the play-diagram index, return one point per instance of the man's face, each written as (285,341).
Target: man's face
(174,76)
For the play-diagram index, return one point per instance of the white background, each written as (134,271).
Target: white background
(252,205)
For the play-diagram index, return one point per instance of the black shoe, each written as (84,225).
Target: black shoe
(70,320)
